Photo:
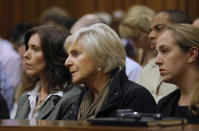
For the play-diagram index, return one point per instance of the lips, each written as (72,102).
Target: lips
(72,73)
(153,45)
(162,71)
(27,65)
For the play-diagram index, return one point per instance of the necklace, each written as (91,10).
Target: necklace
(40,101)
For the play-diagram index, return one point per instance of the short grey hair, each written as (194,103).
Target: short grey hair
(103,45)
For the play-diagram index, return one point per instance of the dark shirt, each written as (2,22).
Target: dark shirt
(181,111)
(4,112)
(123,94)
(169,107)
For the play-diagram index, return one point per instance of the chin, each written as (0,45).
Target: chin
(167,79)
(76,81)
(30,73)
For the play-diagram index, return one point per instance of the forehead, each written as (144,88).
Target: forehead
(77,45)
(166,38)
(160,19)
(34,40)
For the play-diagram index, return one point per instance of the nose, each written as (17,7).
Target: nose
(27,54)
(152,35)
(68,62)
(158,60)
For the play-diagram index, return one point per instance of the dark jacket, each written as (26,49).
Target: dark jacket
(123,94)
(4,112)
(167,106)
(54,109)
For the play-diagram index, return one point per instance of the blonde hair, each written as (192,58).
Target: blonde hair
(186,36)
(137,16)
(140,10)
(103,46)
(127,25)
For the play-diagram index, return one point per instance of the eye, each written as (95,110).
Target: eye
(35,49)
(75,53)
(159,28)
(165,50)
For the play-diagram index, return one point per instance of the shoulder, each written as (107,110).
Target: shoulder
(132,86)
(169,98)
(136,90)
(139,98)
(150,67)
(23,98)
(72,93)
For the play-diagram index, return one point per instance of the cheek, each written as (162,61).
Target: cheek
(177,66)
(39,64)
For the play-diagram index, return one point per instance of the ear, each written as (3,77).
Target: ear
(192,54)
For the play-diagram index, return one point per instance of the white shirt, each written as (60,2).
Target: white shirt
(11,62)
(133,69)
(33,98)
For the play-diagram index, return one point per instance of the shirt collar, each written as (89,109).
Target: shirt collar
(36,89)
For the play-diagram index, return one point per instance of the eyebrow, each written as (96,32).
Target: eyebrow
(156,26)
(163,46)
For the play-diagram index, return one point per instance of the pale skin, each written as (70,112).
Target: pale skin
(182,72)
(84,71)
(35,64)
(196,23)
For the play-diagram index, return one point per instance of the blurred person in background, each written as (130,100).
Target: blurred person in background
(12,66)
(134,28)
(196,22)
(5,89)
(57,15)
(17,37)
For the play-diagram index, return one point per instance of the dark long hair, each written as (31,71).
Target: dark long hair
(52,45)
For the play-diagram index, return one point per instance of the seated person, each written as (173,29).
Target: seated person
(4,90)
(133,69)
(177,57)
(52,94)
(97,60)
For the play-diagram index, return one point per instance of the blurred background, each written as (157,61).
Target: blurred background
(13,12)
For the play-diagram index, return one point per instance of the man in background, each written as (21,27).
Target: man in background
(150,76)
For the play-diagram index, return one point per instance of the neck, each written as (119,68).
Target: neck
(188,84)
(97,84)
(43,89)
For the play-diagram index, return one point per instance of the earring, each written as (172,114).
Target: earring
(98,69)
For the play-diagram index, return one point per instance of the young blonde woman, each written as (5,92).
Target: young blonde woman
(178,60)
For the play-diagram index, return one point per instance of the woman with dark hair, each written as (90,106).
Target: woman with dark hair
(51,94)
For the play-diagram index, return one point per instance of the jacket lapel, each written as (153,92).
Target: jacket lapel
(114,97)
(24,110)
(48,107)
